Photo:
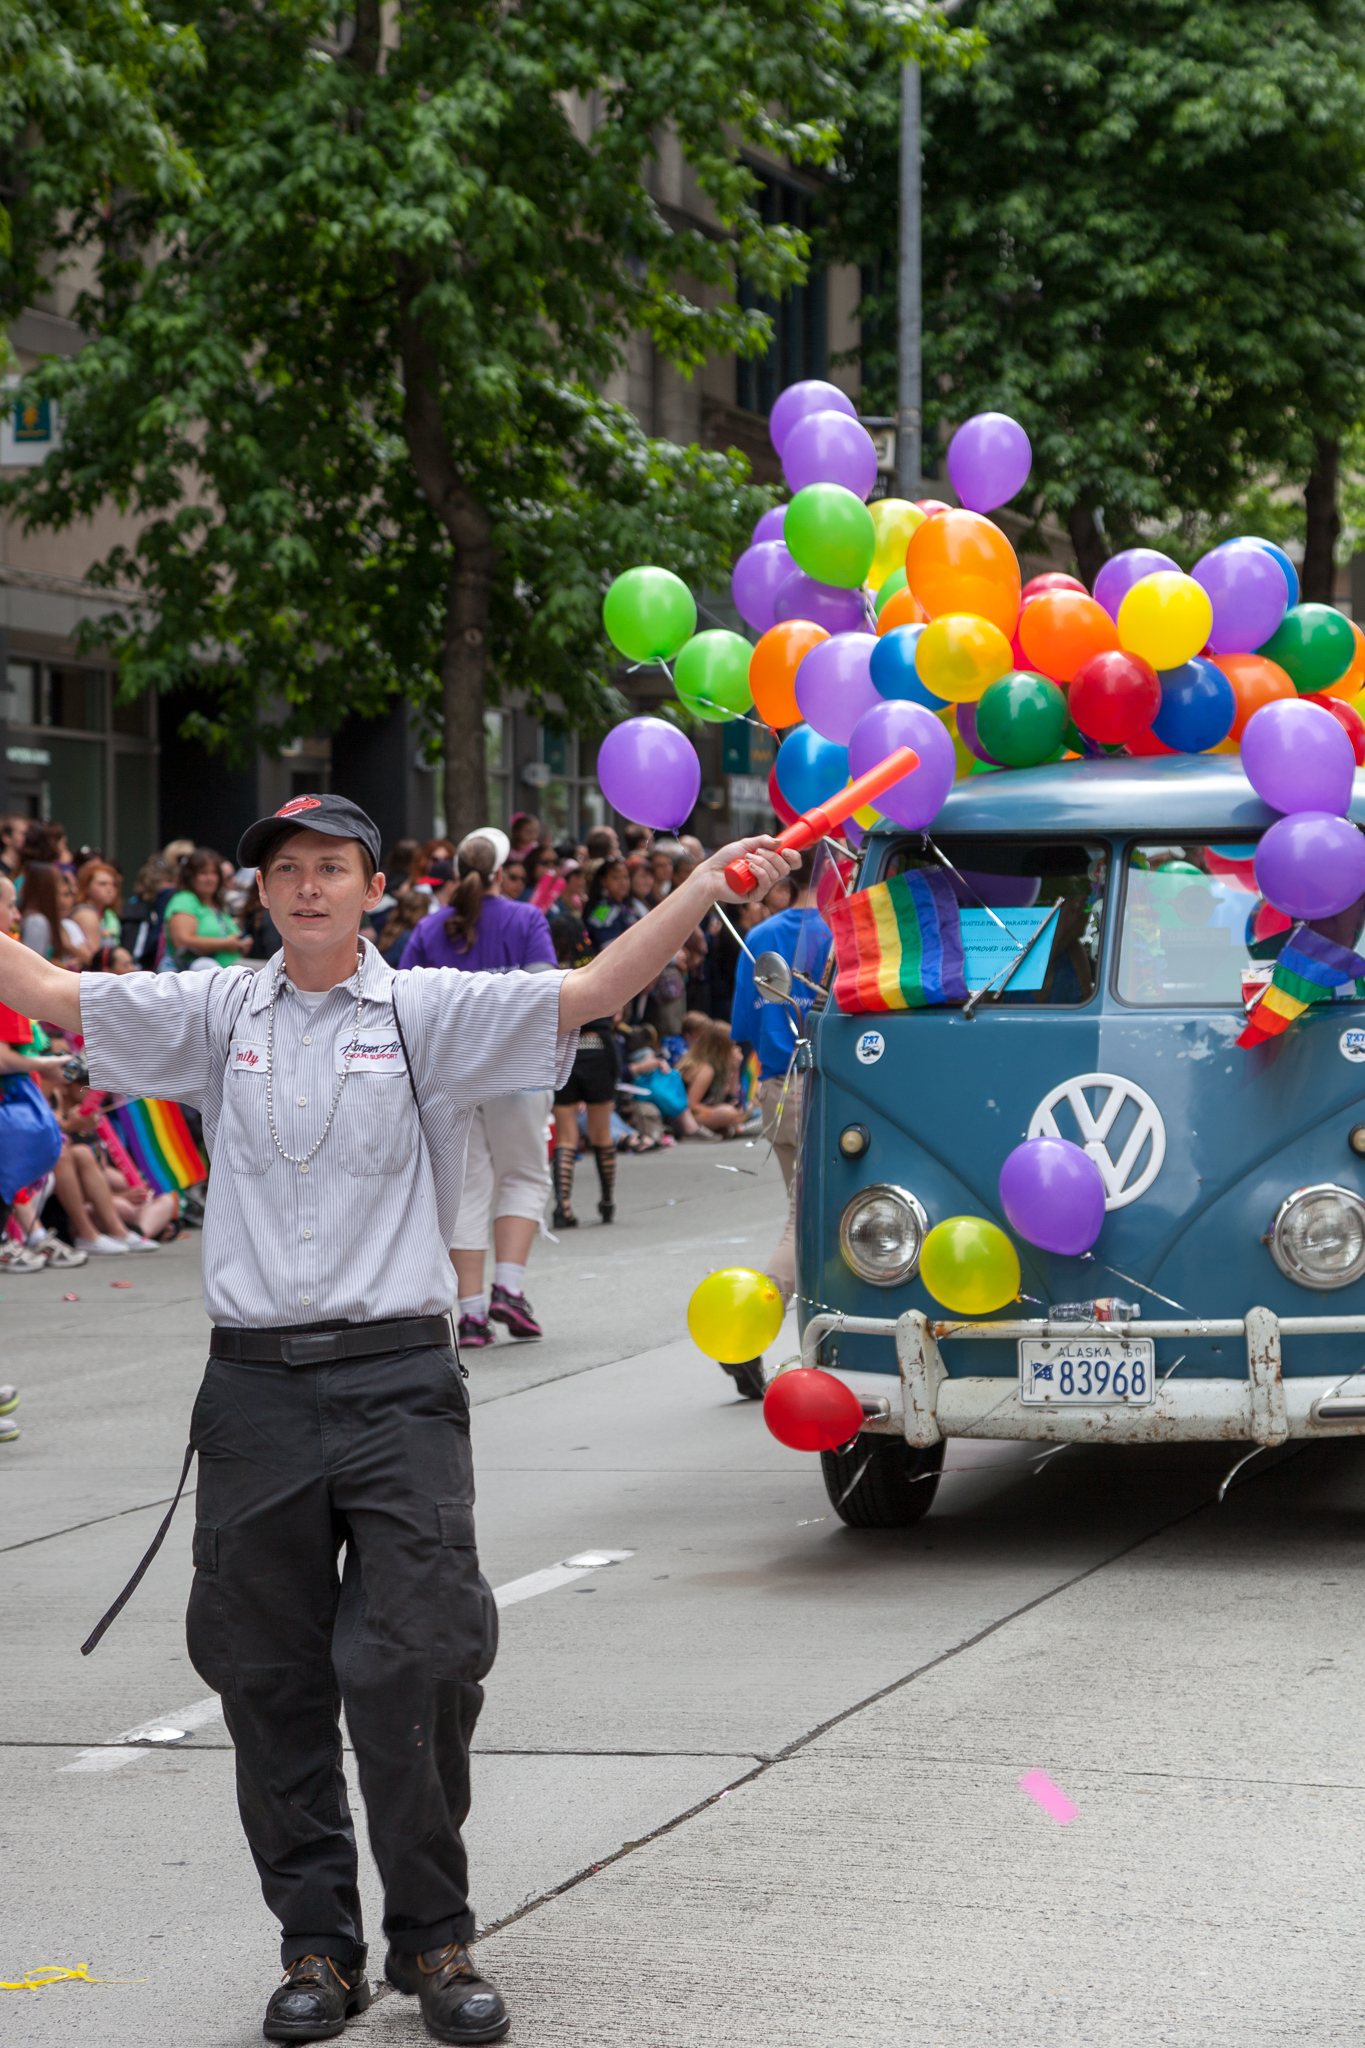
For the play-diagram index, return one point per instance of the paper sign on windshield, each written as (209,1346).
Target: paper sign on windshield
(988,951)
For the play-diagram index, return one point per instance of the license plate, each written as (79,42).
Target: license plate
(1087,1372)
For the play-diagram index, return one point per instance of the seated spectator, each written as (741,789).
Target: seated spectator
(99,905)
(705,1068)
(46,901)
(200,932)
(46,842)
(566,916)
(513,880)
(12,830)
(637,839)
(144,912)
(523,834)
(641,882)
(603,843)
(142,1213)
(662,855)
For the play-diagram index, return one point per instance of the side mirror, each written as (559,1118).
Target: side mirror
(772,978)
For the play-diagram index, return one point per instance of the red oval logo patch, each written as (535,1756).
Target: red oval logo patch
(298,803)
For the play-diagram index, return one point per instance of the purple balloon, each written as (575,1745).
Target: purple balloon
(834,685)
(914,801)
(798,401)
(1052,1193)
(769,526)
(989,459)
(965,718)
(757,577)
(650,773)
(830,448)
(1296,757)
(1311,864)
(1121,572)
(838,611)
(1001,892)
(1248,593)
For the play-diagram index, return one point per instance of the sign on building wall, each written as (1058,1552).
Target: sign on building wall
(29,430)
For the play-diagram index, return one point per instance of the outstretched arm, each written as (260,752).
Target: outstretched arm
(631,962)
(35,988)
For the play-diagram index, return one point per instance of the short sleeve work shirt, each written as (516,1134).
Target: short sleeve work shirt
(362,1235)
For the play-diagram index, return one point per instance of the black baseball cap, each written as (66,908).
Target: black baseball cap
(336,815)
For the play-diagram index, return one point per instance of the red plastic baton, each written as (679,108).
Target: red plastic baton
(825,817)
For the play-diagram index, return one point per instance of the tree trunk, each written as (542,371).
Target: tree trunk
(464,656)
(1323,524)
(1089,543)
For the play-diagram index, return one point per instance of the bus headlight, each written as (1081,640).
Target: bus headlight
(1318,1237)
(880,1234)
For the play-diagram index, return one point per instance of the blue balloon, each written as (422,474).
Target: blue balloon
(1198,707)
(811,770)
(893,670)
(1291,574)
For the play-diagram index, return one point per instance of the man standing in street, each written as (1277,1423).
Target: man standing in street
(336,1098)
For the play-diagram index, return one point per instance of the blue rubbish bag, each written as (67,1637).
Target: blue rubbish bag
(30,1136)
(668,1093)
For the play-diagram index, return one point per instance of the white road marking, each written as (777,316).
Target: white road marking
(174,1727)
(557,1575)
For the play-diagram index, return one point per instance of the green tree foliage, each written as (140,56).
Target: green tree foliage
(353,388)
(1143,237)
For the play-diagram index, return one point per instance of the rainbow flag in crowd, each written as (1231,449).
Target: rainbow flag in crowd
(1309,967)
(158,1141)
(898,946)
(748,1080)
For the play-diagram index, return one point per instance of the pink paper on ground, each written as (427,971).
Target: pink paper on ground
(1050,1797)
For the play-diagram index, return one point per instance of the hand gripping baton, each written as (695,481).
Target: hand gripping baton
(825,817)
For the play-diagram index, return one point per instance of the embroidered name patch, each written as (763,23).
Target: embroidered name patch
(248,1059)
(369,1052)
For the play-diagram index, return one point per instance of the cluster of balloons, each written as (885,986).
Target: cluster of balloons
(733,1316)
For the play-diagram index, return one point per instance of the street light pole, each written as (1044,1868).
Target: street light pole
(909,440)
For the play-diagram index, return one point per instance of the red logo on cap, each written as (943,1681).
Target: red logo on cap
(298,803)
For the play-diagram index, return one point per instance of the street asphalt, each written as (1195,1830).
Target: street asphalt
(756,1783)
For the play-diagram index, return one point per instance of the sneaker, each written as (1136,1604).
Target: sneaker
(514,1312)
(474,1332)
(54,1251)
(9,1400)
(136,1242)
(102,1244)
(9,1429)
(17,1258)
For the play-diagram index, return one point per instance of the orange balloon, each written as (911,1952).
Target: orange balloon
(960,562)
(1255,681)
(772,669)
(1060,630)
(1353,681)
(904,609)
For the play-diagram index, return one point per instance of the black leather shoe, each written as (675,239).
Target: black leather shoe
(457,2003)
(315,2000)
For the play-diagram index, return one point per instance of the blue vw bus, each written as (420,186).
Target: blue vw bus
(1225,1296)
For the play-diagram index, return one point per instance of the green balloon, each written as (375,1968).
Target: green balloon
(649,614)
(711,676)
(829,533)
(1020,719)
(1314,645)
(894,582)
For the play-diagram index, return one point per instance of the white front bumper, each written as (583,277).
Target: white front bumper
(924,1404)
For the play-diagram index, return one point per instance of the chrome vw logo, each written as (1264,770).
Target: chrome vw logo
(1094,1126)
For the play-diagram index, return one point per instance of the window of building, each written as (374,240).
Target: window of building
(74,699)
(799,346)
(71,754)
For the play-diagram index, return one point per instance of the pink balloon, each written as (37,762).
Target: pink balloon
(914,801)
(834,685)
(813,394)
(830,448)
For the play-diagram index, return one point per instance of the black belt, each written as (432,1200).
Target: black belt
(324,1347)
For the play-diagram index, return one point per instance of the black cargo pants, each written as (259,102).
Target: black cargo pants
(296,1463)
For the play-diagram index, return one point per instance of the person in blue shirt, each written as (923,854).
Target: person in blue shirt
(802,937)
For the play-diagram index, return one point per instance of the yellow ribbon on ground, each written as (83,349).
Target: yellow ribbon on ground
(55,1973)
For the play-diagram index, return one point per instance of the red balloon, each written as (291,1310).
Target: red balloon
(1052,580)
(777,800)
(1268,921)
(929,506)
(1244,870)
(1348,718)
(1147,743)
(1115,697)
(809,1410)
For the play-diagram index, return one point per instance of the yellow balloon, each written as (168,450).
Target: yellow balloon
(966,759)
(969,1265)
(960,656)
(867,817)
(894,520)
(1166,618)
(734,1314)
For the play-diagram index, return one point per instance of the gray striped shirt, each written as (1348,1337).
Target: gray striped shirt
(362,1235)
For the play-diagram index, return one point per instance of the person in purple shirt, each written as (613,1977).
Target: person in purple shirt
(508,1166)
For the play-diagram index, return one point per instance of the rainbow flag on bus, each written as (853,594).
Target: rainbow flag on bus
(158,1140)
(898,945)
(1309,967)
